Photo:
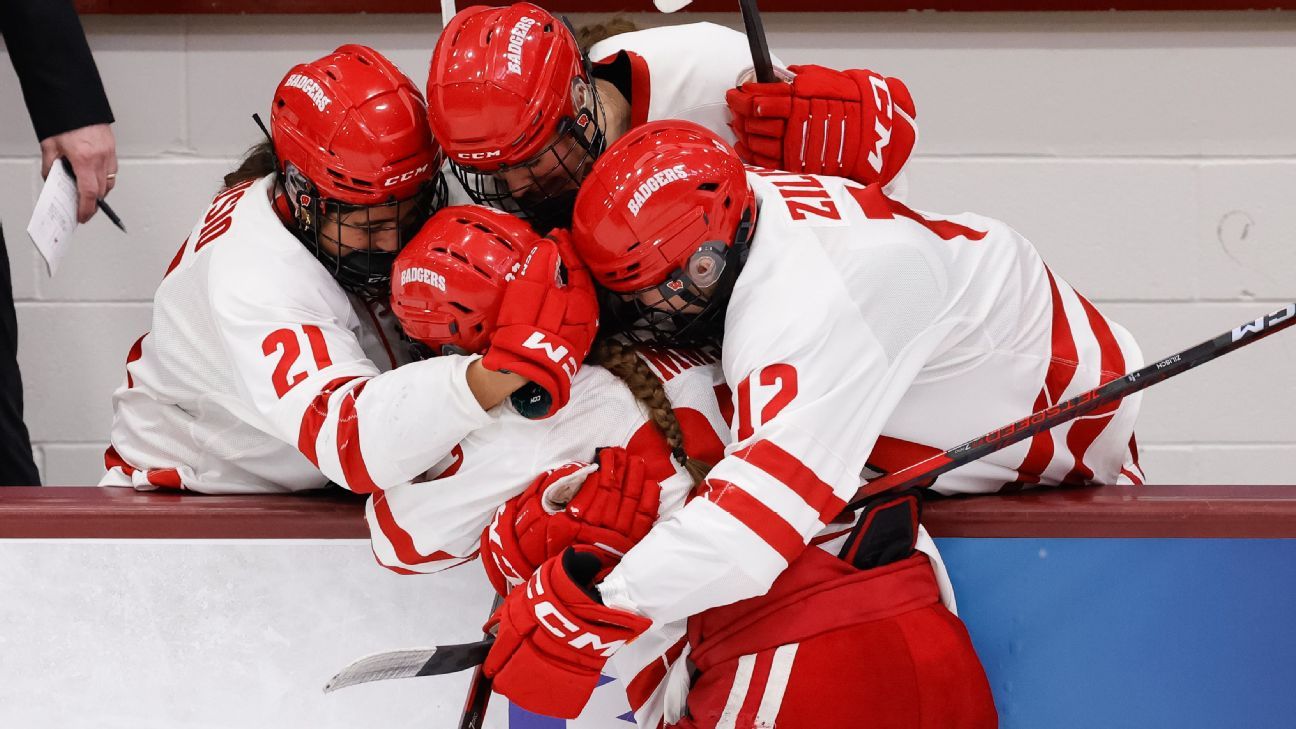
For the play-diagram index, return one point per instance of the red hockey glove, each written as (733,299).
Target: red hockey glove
(826,122)
(545,327)
(555,636)
(608,507)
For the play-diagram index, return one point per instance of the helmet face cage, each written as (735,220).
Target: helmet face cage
(551,178)
(678,312)
(364,271)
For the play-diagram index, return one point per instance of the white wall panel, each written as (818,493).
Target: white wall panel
(1150,156)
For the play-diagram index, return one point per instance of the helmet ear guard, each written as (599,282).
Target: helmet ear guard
(665,218)
(689,309)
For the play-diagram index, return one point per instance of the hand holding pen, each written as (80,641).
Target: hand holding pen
(112,215)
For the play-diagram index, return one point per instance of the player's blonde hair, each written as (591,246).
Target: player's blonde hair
(590,33)
(621,360)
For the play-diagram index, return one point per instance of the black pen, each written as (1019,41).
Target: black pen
(98,201)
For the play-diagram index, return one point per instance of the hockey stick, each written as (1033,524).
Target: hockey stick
(450,658)
(447,12)
(479,689)
(1086,402)
(434,661)
(761,62)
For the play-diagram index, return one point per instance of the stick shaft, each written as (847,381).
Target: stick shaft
(761,62)
(479,690)
(1081,404)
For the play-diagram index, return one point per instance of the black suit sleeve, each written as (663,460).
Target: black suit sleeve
(60,81)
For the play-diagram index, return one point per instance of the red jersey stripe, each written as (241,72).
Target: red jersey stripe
(176,261)
(762,520)
(314,417)
(167,478)
(791,472)
(1063,358)
(113,459)
(136,351)
(402,542)
(1061,370)
(756,688)
(350,456)
(1112,362)
(642,686)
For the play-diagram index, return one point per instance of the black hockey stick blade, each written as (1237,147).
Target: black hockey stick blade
(435,661)
(761,62)
(924,471)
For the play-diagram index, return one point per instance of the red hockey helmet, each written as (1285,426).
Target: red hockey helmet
(448,282)
(513,105)
(667,209)
(351,136)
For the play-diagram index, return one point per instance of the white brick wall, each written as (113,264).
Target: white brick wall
(1148,155)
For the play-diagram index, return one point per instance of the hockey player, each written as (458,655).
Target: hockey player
(262,369)
(858,335)
(522,113)
(655,417)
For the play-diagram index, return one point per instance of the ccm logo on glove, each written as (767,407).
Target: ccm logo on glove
(556,353)
(555,622)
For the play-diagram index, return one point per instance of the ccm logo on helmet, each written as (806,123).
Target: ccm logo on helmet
(310,88)
(407,176)
(422,275)
(516,38)
(653,184)
(480,155)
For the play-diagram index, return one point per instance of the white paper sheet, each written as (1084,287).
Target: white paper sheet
(54,218)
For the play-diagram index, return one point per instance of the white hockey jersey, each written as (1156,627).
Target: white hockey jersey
(680,72)
(862,336)
(261,374)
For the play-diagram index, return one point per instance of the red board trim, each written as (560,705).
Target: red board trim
(1267,512)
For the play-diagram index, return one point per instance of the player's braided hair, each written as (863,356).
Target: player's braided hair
(622,361)
(257,163)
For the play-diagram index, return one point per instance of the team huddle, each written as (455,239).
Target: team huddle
(630,332)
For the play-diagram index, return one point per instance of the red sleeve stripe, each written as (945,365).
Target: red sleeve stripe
(354,470)
(1063,359)
(791,472)
(167,478)
(401,541)
(759,518)
(136,351)
(1061,370)
(645,683)
(113,459)
(1112,361)
(314,417)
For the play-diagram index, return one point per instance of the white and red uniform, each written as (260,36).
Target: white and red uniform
(680,72)
(862,336)
(261,374)
(431,525)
